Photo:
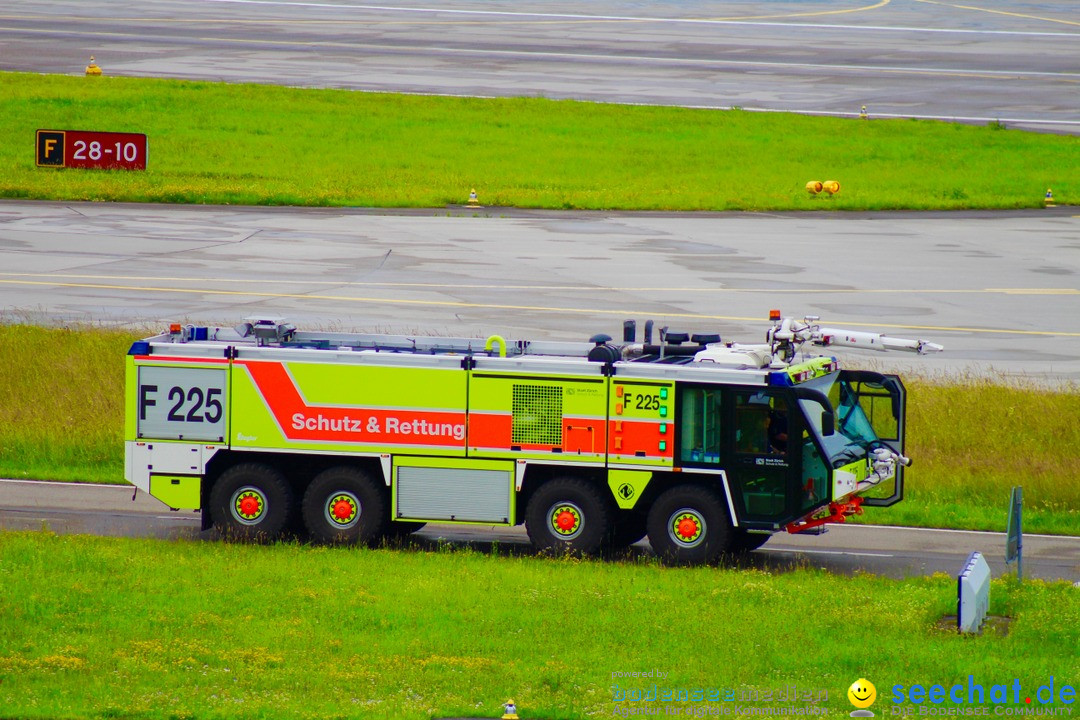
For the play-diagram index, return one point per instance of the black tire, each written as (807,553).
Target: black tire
(689,525)
(251,501)
(568,514)
(743,542)
(629,527)
(343,505)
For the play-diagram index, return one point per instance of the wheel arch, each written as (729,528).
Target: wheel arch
(537,475)
(663,481)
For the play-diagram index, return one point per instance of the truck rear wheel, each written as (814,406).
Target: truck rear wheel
(689,525)
(251,501)
(344,505)
(568,514)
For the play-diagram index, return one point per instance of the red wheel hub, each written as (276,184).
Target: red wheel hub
(688,527)
(343,509)
(249,505)
(565,520)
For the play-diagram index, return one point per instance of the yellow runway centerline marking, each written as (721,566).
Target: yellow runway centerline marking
(529,308)
(1000,12)
(574,288)
(540,55)
(814,13)
(289,21)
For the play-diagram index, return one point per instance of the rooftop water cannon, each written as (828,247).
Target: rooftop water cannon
(787,335)
(266,330)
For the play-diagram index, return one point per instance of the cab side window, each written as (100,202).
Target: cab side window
(699,428)
(761,424)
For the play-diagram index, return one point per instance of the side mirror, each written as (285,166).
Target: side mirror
(828,419)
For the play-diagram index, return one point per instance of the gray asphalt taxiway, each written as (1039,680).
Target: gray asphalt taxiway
(1012,62)
(896,552)
(999,290)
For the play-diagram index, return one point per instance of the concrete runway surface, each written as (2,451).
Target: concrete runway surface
(896,552)
(1014,62)
(999,290)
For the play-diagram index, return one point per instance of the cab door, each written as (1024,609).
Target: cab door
(765,451)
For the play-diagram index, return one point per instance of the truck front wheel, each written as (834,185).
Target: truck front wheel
(568,514)
(688,525)
(251,501)
(344,505)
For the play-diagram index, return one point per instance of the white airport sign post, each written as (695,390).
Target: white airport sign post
(973,594)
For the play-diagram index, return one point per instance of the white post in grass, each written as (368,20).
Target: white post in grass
(972,594)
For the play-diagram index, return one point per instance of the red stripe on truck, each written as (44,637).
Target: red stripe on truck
(301,421)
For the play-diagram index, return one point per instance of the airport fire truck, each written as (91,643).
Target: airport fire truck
(707,447)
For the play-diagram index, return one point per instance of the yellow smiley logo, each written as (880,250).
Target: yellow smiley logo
(862,693)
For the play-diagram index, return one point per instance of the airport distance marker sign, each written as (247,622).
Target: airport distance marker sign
(972,594)
(91,150)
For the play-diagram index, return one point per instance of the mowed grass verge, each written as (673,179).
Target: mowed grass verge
(61,418)
(265,145)
(119,628)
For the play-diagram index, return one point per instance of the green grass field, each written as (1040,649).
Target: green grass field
(114,628)
(61,418)
(61,412)
(973,441)
(253,144)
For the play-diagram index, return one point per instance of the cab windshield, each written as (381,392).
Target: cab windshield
(855,430)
